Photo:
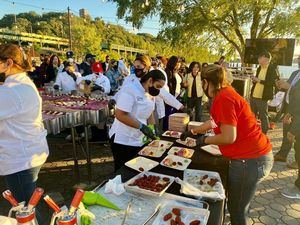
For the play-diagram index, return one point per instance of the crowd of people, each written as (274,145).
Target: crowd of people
(145,93)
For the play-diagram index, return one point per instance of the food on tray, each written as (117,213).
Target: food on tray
(167,217)
(190,142)
(175,162)
(147,151)
(173,222)
(160,144)
(141,169)
(210,181)
(182,152)
(151,182)
(174,134)
(152,151)
(176,211)
(195,222)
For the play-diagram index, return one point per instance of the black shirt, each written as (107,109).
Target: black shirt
(87,70)
(194,89)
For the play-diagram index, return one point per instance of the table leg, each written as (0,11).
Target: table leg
(76,166)
(88,154)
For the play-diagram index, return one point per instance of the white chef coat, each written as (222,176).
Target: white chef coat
(164,96)
(23,142)
(100,80)
(66,82)
(140,105)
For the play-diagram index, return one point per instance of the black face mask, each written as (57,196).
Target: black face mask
(139,72)
(2,77)
(153,91)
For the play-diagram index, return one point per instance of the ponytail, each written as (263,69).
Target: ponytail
(17,54)
(217,75)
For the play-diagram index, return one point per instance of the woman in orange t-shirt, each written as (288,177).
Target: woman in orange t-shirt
(239,138)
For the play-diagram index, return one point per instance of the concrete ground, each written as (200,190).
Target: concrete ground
(268,207)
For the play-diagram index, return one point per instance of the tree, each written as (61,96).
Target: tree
(231,21)
(86,38)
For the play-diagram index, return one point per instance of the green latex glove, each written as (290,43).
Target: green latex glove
(147,139)
(92,198)
(84,215)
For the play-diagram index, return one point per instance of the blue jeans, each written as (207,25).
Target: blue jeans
(243,178)
(23,183)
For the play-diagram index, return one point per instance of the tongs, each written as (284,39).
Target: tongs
(153,214)
(127,211)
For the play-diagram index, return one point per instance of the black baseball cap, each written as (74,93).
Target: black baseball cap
(69,54)
(89,55)
(265,54)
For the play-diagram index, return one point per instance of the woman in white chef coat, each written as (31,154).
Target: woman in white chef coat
(134,111)
(66,80)
(100,82)
(23,145)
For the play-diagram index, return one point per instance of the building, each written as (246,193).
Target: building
(83,13)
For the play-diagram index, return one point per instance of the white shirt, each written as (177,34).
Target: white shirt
(23,142)
(100,80)
(163,94)
(139,104)
(66,82)
(178,84)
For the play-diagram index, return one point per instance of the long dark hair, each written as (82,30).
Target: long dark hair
(192,66)
(156,75)
(171,65)
(52,58)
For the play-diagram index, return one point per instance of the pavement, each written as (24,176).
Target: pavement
(57,177)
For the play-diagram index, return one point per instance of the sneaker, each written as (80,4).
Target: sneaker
(293,193)
(279,158)
(292,165)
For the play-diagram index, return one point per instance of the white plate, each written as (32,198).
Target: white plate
(178,152)
(186,142)
(152,151)
(173,158)
(188,214)
(139,190)
(212,149)
(160,144)
(172,134)
(141,162)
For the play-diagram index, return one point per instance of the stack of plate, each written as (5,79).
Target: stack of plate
(178,121)
(194,125)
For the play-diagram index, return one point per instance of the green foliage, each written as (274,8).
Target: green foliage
(88,36)
(220,21)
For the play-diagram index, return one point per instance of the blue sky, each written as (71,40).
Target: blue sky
(100,8)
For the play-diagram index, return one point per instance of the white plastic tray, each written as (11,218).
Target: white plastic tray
(186,142)
(152,152)
(141,162)
(212,149)
(178,134)
(193,177)
(160,144)
(185,162)
(136,189)
(176,150)
(188,214)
